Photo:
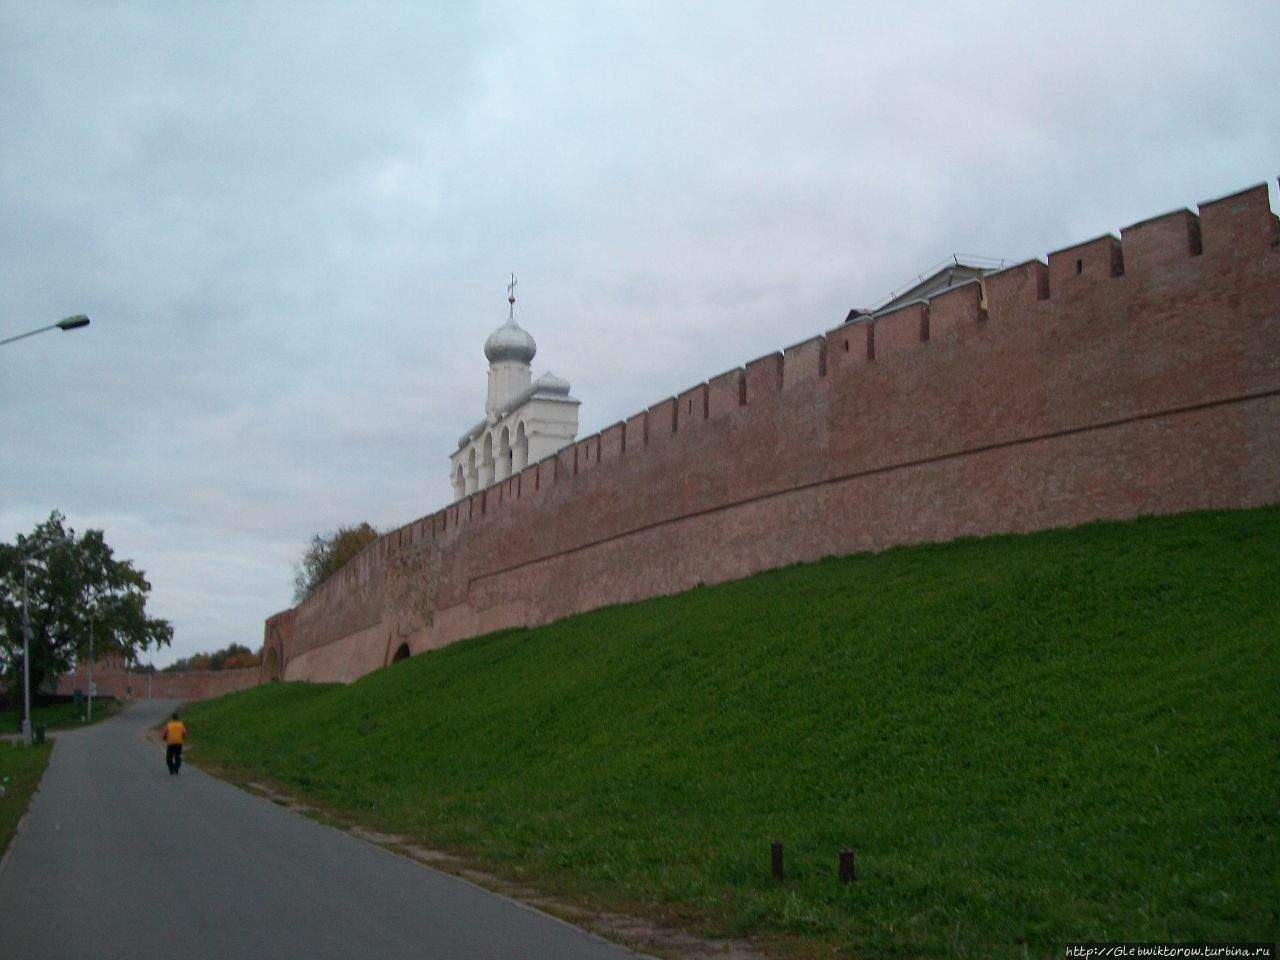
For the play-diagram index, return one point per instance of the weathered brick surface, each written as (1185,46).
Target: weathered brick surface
(1126,376)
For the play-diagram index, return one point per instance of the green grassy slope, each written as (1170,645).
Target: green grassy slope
(1026,740)
(21,769)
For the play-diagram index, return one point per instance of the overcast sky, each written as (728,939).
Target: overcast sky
(292,224)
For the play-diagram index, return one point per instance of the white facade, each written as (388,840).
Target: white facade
(525,419)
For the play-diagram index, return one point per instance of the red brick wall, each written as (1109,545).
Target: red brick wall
(1124,376)
(190,685)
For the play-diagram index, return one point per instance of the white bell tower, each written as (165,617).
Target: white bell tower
(524,421)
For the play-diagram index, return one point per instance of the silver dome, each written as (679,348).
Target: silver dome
(550,383)
(510,342)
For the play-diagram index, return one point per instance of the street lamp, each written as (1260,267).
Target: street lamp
(74,322)
(92,617)
(95,614)
(26,637)
(67,323)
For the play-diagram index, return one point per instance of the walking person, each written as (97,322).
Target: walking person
(174,733)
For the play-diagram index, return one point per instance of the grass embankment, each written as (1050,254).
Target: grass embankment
(21,768)
(68,716)
(1026,740)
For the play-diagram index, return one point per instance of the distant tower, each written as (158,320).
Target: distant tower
(525,420)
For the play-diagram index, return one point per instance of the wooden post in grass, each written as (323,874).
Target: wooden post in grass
(776,853)
(846,866)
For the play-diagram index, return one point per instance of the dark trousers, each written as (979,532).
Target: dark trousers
(173,757)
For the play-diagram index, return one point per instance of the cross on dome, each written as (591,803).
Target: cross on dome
(510,342)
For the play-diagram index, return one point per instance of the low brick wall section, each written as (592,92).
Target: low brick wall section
(183,685)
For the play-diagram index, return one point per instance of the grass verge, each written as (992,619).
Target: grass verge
(21,768)
(65,714)
(1027,741)
(68,716)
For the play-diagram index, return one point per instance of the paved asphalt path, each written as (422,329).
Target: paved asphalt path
(117,858)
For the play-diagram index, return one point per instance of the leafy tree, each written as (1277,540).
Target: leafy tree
(326,554)
(73,584)
(234,657)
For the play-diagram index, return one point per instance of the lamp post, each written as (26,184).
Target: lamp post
(73,322)
(26,637)
(89,712)
(26,660)
(95,611)
(67,323)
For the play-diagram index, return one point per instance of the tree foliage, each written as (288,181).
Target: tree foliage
(74,587)
(233,657)
(326,554)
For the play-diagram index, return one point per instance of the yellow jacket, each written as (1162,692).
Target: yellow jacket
(175,731)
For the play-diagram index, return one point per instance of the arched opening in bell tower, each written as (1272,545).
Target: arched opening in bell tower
(520,450)
(486,461)
(503,459)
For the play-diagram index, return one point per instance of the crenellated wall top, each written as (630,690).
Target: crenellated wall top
(1168,249)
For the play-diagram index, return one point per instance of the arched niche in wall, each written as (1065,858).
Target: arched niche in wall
(271,665)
